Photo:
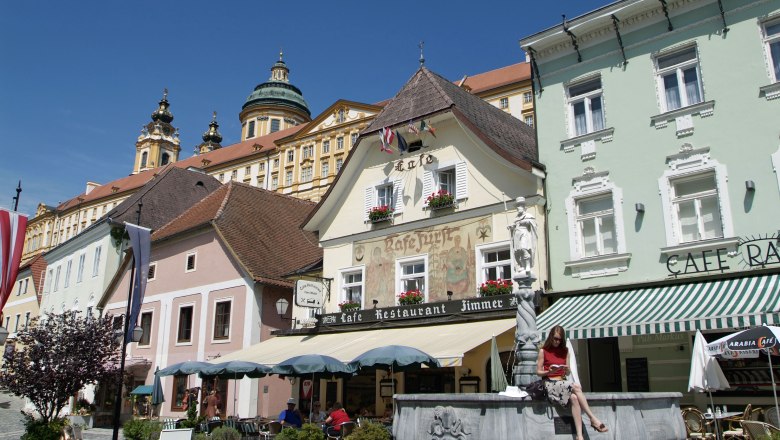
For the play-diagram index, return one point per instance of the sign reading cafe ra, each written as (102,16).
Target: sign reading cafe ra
(412,163)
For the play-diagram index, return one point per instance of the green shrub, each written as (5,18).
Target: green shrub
(311,431)
(37,429)
(225,433)
(369,431)
(201,436)
(192,423)
(138,429)
(288,434)
(775,436)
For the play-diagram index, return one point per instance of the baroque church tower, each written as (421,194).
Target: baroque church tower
(273,105)
(158,144)
(211,138)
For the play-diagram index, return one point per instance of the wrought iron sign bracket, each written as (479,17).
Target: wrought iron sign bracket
(573,39)
(615,22)
(723,16)
(666,14)
(535,68)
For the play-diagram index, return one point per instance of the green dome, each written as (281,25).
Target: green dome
(277,93)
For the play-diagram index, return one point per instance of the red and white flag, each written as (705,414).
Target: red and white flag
(12,228)
(387,136)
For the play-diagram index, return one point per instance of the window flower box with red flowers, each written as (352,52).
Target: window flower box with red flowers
(495,287)
(440,200)
(411,297)
(349,306)
(380,213)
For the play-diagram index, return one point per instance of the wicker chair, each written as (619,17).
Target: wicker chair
(695,424)
(755,430)
(734,430)
(270,429)
(771,416)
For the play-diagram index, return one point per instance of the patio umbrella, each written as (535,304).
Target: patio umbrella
(573,374)
(184,368)
(157,390)
(236,370)
(762,338)
(497,377)
(311,364)
(706,374)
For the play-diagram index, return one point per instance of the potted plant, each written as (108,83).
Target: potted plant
(440,199)
(495,287)
(413,296)
(348,306)
(380,213)
(82,413)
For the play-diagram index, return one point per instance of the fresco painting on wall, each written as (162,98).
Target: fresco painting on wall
(451,258)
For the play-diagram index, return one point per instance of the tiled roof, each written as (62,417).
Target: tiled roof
(427,94)
(165,197)
(37,266)
(260,227)
(497,78)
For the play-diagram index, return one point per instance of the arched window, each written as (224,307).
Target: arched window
(144,157)
(165,158)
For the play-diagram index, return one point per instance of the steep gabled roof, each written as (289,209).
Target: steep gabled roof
(259,227)
(427,94)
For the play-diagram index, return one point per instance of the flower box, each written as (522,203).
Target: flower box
(411,297)
(495,287)
(380,213)
(440,200)
(81,420)
(348,306)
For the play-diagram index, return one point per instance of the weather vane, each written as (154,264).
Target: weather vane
(422,58)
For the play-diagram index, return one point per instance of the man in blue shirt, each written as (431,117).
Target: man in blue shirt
(291,416)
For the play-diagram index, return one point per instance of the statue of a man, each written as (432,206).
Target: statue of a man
(524,236)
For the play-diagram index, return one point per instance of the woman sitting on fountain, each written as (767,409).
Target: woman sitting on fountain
(553,366)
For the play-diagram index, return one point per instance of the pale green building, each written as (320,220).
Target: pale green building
(658,122)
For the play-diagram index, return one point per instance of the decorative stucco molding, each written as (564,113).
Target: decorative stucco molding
(683,117)
(587,142)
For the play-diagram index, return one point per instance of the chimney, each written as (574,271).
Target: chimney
(91,186)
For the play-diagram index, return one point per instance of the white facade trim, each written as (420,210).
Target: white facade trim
(776,165)
(398,282)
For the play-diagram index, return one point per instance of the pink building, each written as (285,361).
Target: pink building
(215,275)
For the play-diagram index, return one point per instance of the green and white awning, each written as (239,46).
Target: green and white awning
(707,305)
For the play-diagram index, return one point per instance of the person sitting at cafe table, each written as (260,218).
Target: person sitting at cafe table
(317,414)
(335,419)
(291,416)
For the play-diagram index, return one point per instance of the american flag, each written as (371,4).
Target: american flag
(12,228)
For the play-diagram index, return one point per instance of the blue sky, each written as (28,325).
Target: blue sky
(79,79)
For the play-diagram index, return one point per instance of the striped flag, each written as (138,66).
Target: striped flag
(387,136)
(141,241)
(427,127)
(12,228)
(412,128)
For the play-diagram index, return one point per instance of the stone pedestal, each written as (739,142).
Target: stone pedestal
(490,416)
(526,335)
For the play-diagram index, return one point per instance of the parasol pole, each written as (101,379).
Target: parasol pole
(772,375)
(235,396)
(712,405)
(311,400)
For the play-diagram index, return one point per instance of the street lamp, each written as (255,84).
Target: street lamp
(281,307)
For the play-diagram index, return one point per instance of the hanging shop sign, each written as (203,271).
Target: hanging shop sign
(309,294)
(425,311)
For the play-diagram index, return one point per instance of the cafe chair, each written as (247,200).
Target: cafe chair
(346,429)
(734,430)
(771,416)
(271,429)
(248,428)
(755,430)
(696,425)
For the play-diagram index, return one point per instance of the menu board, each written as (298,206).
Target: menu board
(636,375)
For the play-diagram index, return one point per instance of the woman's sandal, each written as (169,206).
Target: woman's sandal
(599,428)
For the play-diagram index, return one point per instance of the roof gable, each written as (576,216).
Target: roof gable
(320,122)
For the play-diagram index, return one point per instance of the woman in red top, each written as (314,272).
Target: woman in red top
(335,419)
(553,366)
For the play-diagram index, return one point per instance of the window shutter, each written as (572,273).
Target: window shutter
(427,188)
(368,201)
(398,196)
(461,181)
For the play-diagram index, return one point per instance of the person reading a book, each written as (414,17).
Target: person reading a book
(553,366)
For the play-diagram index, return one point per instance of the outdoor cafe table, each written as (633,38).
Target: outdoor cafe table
(719,417)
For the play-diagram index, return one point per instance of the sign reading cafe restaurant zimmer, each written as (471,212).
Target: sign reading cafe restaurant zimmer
(427,310)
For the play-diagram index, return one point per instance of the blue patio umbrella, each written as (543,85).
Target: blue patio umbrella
(311,364)
(157,390)
(236,370)
(184,368)
(394,357)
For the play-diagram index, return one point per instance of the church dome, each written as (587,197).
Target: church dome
(162,113)
(277,92)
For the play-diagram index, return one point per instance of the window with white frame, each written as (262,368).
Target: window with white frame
(449,177)
(527,97)
(339,163)
(495,262)
(352,286)
(48,281)
(696,208)
(184,331)
(340,143)
(290,155)
(288,178)
(771,34)
(250,130)
(57,279)
(234,175)
(503,103)
(306,174)
(276,163)
(190,264)
(384,195)
(308,151)
(341,116)
(324,168)
(678,79)
(146,326)
(96,261)
(68,267)
(261,167)
(411,274)
(529,120)
(222,320)
(353,139)
(325,147)
(596,226)
(586,110)
(80,269)
(275,125)
(222,177)
(274,182)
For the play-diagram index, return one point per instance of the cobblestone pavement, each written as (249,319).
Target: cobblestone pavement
(12,428)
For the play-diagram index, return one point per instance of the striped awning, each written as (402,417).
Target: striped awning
(705,305)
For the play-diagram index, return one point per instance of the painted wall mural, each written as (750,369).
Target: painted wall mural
(451,258)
